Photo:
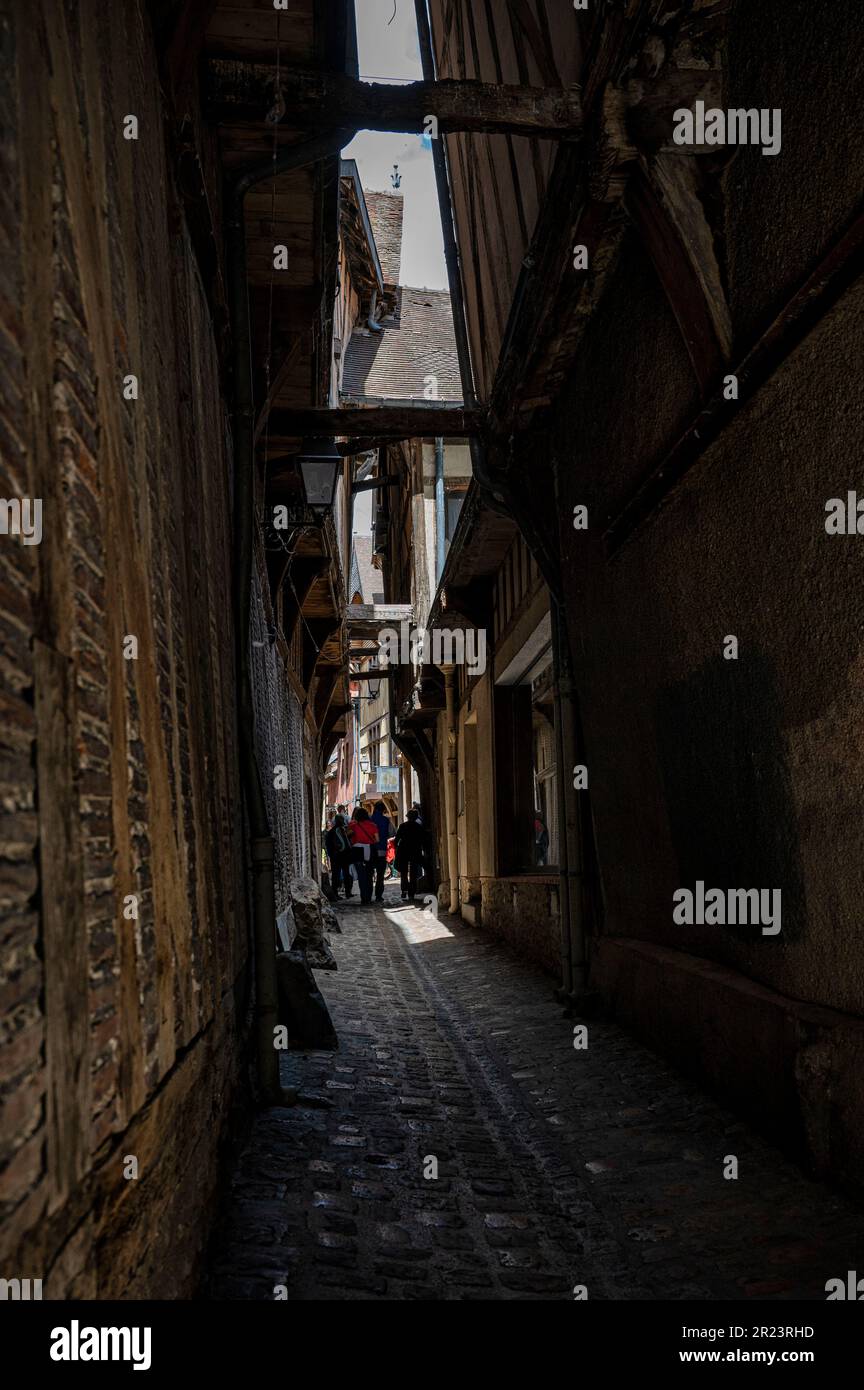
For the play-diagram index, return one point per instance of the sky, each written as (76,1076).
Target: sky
(388,49)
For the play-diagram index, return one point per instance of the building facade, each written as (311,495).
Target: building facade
(658,330)
(147,685)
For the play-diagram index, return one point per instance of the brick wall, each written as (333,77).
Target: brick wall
(119,1036)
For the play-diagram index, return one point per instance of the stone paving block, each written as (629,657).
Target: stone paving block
(555,1168)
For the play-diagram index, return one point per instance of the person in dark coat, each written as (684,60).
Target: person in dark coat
(386,831)
(410,841)
(338,848)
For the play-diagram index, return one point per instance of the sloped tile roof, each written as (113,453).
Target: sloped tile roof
(371,581)
(385,215)
(417,342)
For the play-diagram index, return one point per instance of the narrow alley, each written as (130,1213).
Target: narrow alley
(556,1167)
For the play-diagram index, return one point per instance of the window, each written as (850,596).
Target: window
(545,828)
(454,507)
(526,781)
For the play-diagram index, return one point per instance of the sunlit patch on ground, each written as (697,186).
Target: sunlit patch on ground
(418,924)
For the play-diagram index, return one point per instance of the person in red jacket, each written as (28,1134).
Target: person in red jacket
(363,834)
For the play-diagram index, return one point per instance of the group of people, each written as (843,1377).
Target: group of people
(368,847)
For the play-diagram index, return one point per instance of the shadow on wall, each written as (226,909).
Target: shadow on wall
(728,789)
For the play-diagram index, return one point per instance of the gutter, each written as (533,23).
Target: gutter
(439,510)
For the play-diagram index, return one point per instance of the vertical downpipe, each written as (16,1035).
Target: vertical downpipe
(440,517)
(571,834)
(452,789)
(563,828)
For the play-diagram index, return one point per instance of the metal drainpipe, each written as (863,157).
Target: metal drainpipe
(371,321)
(243,422)
(439,509)
(356,712)
(563,836)
(452,790)
(573,888)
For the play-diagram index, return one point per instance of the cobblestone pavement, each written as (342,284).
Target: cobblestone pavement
(556,1167)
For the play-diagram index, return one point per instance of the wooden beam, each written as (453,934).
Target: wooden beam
(372,484)
(663,201)
(304,573)
(377,422)
(238,91)
(366,620)
(186,41)
(840,267)
(349,447)
(277,384)
(554,301)
(317,632)
(651,107)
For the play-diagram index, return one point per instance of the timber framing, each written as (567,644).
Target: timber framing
(626,172)
(240,91)
(839,268)
(377,422)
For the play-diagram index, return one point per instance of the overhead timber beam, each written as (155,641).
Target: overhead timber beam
(241,91)
(373,484)
(377,422)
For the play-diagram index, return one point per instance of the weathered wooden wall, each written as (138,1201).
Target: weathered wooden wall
(118,776)
(735,772)
(498,181)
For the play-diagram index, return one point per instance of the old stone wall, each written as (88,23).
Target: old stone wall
(123,935)
(525,911)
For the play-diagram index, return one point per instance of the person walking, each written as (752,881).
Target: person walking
(363,834)
(386,830)
(410,839)
(338,847)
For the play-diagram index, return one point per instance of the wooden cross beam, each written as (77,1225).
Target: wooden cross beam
(373,484)
(382,674)
(377,422)
(240,91)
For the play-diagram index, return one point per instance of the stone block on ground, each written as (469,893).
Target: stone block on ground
(302,1009)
